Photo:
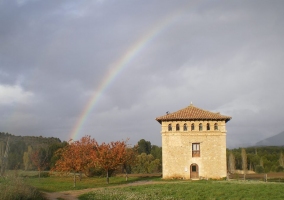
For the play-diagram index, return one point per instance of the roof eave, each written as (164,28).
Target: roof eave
(205,119)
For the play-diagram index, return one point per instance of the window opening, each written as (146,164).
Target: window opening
(169,127)
(208,127)
(177,127)
(200,127)
(215,126)
(192,126)
(185,127)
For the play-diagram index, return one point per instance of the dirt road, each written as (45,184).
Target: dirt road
(73,194)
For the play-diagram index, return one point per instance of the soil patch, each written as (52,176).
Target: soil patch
(73,194)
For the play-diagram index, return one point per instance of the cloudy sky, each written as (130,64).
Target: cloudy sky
(108,68)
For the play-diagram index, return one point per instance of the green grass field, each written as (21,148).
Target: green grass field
(134,188)
(64,183)
(193,190)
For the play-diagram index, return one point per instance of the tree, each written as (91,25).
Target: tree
(281,160)
(130,158)
(4,157)
(244,162)
(259,169)
(261,162)
(155,166)
(76,156)
(110,156)
(39,159)
(232,164)
(147,164)
(52,158)
(156,152)
(27,158)
(144,146)
(16,153)
(279,169)
(2,152)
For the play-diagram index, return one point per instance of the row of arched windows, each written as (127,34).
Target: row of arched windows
(192,127)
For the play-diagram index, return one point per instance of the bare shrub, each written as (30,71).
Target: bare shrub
(12,187)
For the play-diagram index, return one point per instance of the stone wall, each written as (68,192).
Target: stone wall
(177,150)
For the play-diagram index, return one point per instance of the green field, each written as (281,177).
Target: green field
(193,190)
(139,187)
(57,183)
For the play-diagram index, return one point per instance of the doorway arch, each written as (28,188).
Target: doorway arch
(194,171)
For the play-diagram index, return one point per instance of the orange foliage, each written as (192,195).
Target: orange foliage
(85,153)
(77,156)
(110,156)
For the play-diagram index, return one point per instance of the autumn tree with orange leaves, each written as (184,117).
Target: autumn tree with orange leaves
(81,155)
(110,156)
(76,156)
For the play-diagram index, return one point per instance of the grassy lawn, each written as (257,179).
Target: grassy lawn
(64,183)
(161,189)
(193,190)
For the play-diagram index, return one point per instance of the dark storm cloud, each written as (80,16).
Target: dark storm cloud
(223,56)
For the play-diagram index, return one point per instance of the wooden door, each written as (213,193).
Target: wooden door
(194,171)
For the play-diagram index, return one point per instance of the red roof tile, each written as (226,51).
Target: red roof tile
(192,113)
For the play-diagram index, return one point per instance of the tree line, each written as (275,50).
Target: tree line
(259,159)
(88,156)
(40,153)
(82,156)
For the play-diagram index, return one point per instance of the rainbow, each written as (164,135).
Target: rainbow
(119,65)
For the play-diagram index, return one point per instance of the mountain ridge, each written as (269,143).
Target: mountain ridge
(276,140)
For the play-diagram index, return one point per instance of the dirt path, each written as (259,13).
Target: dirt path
(73,194)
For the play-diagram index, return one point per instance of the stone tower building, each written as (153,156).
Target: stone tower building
(194,144)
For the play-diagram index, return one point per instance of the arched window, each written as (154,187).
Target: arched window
(177,127)
(192,126)
(169,127)
(185,127)
(208,127)
(200,127)
(215,126)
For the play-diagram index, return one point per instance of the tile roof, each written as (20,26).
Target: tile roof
(192,113)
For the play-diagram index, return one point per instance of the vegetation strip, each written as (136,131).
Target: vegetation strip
(191,190)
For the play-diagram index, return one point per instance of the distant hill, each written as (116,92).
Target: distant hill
(18,145)
(34,141)
(276,140)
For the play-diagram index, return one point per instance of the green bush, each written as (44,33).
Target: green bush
(94,171)
(259,169)
(279,169)
(44,174)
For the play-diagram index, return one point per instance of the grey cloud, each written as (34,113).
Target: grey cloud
(223,56)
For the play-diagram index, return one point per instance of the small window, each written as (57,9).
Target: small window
(185,127)
(177,127)
(195,149)
(208,127)
(192,126)
(169,127)
(200,127)
(215,126)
